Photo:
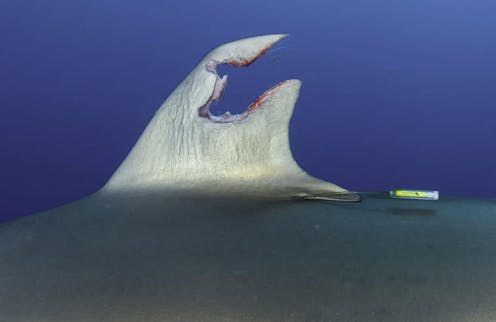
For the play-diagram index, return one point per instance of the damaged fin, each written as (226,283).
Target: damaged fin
(185,147)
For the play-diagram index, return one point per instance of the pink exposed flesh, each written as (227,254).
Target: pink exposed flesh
(220,86)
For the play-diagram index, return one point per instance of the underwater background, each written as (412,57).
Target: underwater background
(396,94)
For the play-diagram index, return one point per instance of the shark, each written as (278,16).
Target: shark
(209,218)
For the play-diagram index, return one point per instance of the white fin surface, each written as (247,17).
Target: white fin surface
(183,148)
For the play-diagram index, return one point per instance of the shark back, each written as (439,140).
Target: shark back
(148,257)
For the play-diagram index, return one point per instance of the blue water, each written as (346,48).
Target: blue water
(395,93)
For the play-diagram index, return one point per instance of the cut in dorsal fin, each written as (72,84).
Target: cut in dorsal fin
(186,147)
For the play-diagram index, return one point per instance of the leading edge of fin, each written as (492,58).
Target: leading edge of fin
(186,147)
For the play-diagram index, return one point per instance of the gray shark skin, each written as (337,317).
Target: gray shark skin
(199,225)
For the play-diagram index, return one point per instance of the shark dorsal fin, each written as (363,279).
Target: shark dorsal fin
(186,147)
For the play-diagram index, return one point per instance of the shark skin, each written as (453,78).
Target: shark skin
(200,225)
(186,147)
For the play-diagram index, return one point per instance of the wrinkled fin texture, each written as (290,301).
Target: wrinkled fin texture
(179,150)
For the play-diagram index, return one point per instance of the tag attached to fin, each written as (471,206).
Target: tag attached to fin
(414,194)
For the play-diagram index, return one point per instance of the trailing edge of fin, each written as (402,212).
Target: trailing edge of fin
(185,147)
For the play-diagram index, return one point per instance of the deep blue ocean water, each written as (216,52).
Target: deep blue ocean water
(395,93)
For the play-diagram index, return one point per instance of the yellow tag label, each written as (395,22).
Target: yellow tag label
(411,194)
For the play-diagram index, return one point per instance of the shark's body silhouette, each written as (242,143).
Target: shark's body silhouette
(207,220)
